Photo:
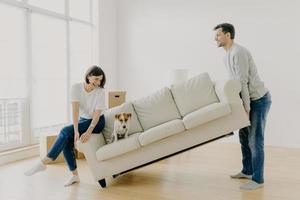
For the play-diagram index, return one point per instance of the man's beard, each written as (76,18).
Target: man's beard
(221,44)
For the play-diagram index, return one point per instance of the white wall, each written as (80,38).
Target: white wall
(155,36)
(108,41)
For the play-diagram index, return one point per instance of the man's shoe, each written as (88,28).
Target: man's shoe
(252,185)
(241,175)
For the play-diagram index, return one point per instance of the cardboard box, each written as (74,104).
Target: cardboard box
(46,142)
(79,155)
(116,98)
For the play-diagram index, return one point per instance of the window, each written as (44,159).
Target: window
(11,123)
(81,50)
(13,76)
(14,123)
(45,47)
(13,53)
(52,5)
(80,9)
(49,72)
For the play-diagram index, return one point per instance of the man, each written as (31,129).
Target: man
(256,100)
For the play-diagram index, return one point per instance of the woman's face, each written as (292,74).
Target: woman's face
(95,80)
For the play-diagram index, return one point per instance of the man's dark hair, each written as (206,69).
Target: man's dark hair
(226,28)
(95,71)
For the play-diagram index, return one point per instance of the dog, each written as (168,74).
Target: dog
(121,127)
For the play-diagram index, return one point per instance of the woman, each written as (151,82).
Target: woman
(88,102)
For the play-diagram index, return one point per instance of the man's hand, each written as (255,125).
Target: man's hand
(85,137)
(248,114)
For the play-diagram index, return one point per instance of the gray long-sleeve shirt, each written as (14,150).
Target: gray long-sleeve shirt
(241,66)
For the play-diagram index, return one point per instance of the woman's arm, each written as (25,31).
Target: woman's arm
(75,111)
(95,120)
(96,115)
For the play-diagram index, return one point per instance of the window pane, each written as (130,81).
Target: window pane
(80,9)
(14,121)
(11,123)
(13,81)
(49,68)
(13,54)
(53,5)
(81,50)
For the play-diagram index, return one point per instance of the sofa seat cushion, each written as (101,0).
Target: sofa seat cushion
(109,115)
(156,109)
(118,148)
(162,131)
(206,114)
(194,93)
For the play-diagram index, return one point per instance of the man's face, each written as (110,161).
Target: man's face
(221,38)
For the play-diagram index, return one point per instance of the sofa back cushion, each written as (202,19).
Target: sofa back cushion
(134,124)
(156,109)
(194,93)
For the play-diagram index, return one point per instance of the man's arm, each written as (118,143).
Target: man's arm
(241,66)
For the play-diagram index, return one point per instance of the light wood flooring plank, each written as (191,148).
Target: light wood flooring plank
(202,173)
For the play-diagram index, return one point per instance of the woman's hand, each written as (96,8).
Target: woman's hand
(76,137)
(85,137)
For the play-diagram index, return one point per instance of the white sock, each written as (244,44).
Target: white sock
(38,167)
(73,179)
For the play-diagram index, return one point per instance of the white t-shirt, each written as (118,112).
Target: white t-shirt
(88,101)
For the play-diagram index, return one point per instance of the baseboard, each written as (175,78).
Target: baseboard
(19,154)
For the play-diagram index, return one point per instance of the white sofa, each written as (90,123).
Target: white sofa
(170,121)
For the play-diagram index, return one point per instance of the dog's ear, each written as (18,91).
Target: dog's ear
(117,116)
(129,115)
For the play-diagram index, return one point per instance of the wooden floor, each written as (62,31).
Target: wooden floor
(202,173)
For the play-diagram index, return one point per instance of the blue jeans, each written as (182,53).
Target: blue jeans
(252,139)
(65,141)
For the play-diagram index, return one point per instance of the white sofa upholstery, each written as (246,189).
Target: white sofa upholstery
(166,123)
(162,103)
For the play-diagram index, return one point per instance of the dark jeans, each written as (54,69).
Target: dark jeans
(65,140)
(252,139)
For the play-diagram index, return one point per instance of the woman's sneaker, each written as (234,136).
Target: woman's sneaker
(38,167)
(72,180)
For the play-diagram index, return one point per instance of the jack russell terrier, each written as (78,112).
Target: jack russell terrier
(121,126)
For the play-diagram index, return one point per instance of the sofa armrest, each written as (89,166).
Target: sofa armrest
(91,146)
(228,91)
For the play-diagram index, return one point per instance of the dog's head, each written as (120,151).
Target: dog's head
(122,123)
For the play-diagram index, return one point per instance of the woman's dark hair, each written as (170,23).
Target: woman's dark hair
(226,28)
(95,71)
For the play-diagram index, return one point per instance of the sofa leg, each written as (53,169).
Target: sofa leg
(102,182)
(116,175)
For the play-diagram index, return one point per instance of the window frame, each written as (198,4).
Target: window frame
(28,137)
